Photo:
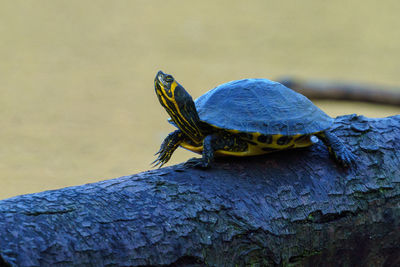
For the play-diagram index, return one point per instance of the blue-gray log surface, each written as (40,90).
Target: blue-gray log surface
(289,208)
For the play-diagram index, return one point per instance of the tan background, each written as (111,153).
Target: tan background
(76,77)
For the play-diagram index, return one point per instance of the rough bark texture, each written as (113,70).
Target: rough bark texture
(289,208)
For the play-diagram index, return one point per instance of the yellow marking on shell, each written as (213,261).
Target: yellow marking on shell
(274,143)
(257,147)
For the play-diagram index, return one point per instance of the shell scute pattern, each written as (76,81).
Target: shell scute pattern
(263,106)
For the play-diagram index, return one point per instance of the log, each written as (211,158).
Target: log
(316,89)
(292,208)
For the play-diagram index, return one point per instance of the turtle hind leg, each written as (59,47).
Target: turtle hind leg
(337,149)
(168,146)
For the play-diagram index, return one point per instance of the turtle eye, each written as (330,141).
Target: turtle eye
(169,78)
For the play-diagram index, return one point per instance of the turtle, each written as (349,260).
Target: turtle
(244,117)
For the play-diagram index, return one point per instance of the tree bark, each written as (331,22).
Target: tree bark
(292,208)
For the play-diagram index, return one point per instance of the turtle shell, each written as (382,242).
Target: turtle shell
(261,105)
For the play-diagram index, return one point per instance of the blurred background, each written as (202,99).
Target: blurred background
(76,77)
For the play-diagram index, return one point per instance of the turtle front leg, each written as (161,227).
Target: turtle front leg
(168,146)
(208,154)
(340,153)
(214,142)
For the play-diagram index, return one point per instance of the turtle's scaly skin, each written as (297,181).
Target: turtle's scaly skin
(242,118)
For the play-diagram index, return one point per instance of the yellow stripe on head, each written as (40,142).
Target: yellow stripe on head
(171,93)
(179,104)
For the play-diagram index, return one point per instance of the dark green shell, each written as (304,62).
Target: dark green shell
(261,105)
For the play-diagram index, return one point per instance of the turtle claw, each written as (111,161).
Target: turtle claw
(156,163)
(170,143)
(163,158)
(197,163)
(345,158)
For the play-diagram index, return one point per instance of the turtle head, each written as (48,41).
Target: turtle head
(166,87)
(179,105)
